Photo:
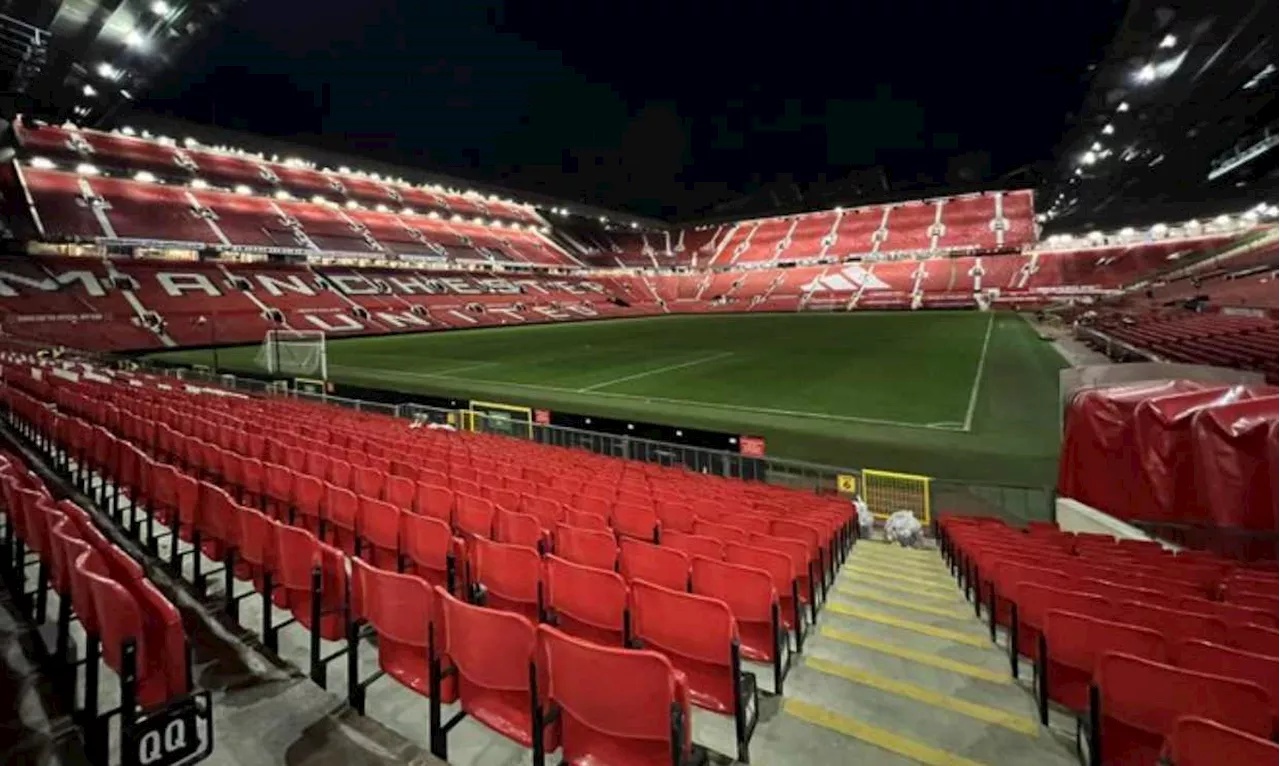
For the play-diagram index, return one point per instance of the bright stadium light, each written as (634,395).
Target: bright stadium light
(1159,229)
(352,204)
(1169,41)
(242,189)
(455,218)
(381,208)
(1089,157)
(42,163)
(1097,147)
(1123,106)
(1146,74)
(128,131)
(107,71)
(1108,129)
(434,215)
(85,169)
(144,177)
(282,194)
(1079,172)
(199,183)
(160,8)
(128,96)
(319,200)
(1222,220)
(89,90)
(1193,224)
(1096,236)
(407,211)
(135,40)
(635,225)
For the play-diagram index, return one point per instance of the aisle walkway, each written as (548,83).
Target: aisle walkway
(898,670)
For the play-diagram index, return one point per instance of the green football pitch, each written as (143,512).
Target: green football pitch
(957,395)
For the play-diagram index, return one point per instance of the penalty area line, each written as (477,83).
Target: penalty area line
(656,371)
(977,376)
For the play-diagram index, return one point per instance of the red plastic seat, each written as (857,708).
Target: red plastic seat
(1218,660)
(1256,639)
(379,532)
(308,503)
(341,510)
(429,549)
(1136,701)
(297,555)
(506,577)
(700,637)
(660,565)
(588,547)
(1173,624)
(1232,614)
(676,516)
(722,532)
(1072,645)
(693,545)
(279,490)
(781,570)
(549,512)
(586,520)
(1033,600)
(519,529)
(401,608)
(640,718)
(1198,741)
(751,597)
(435,500)
(401,491)
(638,521)
(801,564)
(586,602)
(592,504)
(492,652)
(473,516)
(368,482)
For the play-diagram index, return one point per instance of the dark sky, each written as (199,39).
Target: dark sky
(661,108)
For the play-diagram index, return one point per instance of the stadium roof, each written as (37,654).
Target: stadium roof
(1179,121)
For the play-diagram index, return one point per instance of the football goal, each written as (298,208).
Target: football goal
(295,354)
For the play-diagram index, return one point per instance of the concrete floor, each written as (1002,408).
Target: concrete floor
(897,670)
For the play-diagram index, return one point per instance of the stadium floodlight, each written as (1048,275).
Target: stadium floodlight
(478,221)
(455,218)
(352,204)
(42,163)
(199,183)
(1079,172)
(434,215)
(1096,236)
(1193,224)
(107,71)
(1123,106)
(145,177)
(1159,229)
(381,208)
(135,40)
(1108,129)
(128,131)
(319,200)
(1127,231)
(160,8)
(407,211)
(1169,41)
(126,94)
(1089,157)
(1222,220)
(282,194)
(1097,147)
(635,225)
(1146,74)
(85,169)
(242,189)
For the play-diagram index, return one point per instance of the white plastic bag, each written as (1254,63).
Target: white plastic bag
(904,529)
(866,522)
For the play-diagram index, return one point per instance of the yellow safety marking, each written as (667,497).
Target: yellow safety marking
(969,639)
(933,575)
(1022,724)
(943,597)
(929,562)
(868,595)
(872,735)
(897,550)
(921,658)
(936,586)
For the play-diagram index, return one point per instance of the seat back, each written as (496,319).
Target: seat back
(695,632)
(1256,639)
(427,544)
(401,609)
(1141,699)
(1175,625)
(722,532)
(515,528)
(588,547)
(632,714)
(297,554)
(586,520)
(668,567)
(1076,641)
(1197,741)
(633,520)
(750,596)
(435,500)
(511,576)
(379,528)
(1218,660)
(492,651)
(1035,600)
(473,515)
(341,510)
(693,545)
(587,602)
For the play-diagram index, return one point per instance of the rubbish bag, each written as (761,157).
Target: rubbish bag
(866,522)
(904,529)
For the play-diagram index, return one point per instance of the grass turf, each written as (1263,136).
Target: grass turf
(891,390)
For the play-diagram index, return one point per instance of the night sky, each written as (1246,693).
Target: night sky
(662,109)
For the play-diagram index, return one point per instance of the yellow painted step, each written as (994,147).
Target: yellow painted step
(873,735)
(1022,724)
(955,636)
(929,659)
(936,596)
(874,574)
(938,576)
(867,594)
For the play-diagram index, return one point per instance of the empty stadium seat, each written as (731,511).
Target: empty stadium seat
(1196,741)
(587,602)
(505,577)
(661,565)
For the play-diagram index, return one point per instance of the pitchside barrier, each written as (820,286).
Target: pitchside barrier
(885,492)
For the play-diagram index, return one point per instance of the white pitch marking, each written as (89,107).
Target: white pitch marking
(658,371)
(977,376)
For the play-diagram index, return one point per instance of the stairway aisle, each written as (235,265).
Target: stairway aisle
(898,670)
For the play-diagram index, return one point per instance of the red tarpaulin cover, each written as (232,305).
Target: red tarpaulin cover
(1099,464)
(1163,440)
(1234,463)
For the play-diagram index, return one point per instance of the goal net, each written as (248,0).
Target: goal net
(295,354)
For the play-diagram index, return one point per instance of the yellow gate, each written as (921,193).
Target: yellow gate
(887,492)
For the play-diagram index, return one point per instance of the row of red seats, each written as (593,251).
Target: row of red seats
(744,588)
(128,624)
(1136,655)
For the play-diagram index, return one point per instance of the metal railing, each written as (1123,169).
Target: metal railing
(1015,504)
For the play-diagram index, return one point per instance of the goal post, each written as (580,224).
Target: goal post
(295,354)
